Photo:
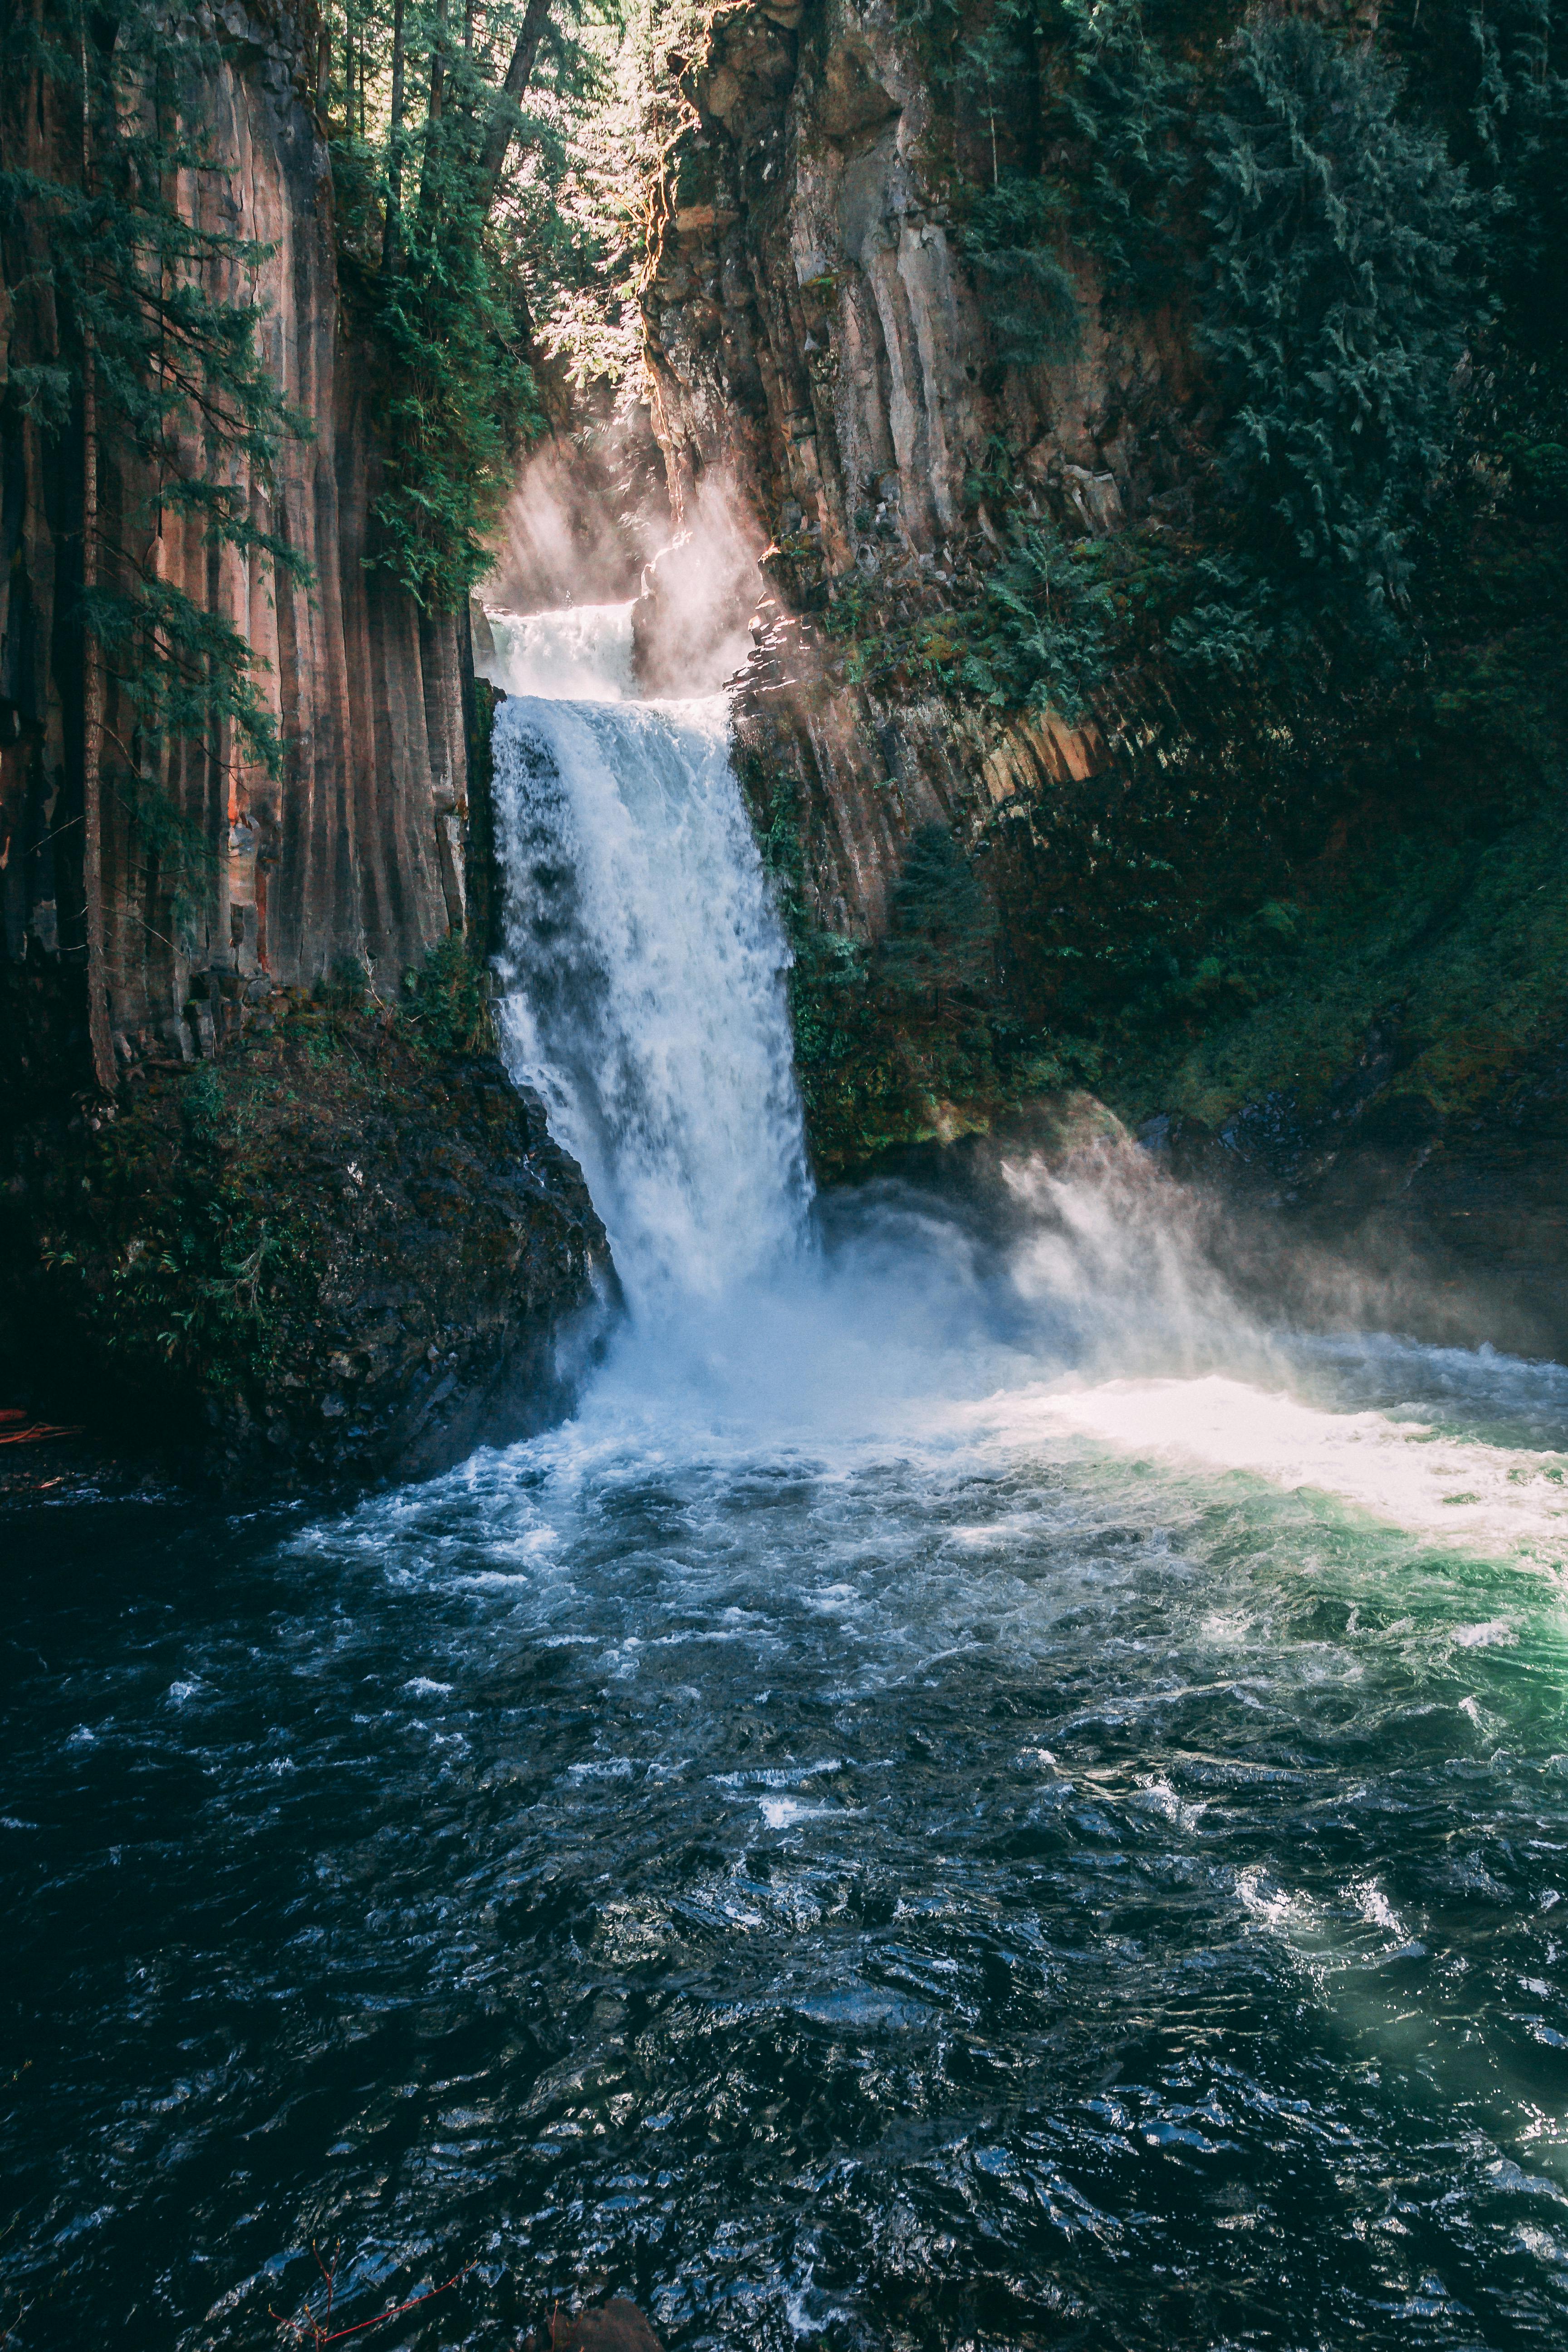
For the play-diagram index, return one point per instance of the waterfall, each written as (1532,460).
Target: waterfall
(644,960)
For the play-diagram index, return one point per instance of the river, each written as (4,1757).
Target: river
(974,1795)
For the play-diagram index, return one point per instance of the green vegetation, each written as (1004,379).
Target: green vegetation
(188,1252)
(1331,677)
(452,143)
(1032,300)
(446,1001)
(1341,291)
(154,364)
(489,171)
(1466,945)
(910,1039)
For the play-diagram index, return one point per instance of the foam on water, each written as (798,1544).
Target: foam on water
(643,964)
(973,1794)
(1403,1471)
(580,651)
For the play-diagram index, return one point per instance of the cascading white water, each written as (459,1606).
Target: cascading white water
(644,960)
(647,1005)
(583,652)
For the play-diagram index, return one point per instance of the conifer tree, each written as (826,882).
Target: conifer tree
(447,274)
(940,926)
(1341,289)
(158,382)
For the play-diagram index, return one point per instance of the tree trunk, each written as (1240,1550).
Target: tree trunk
(439,62)
(393,151)
(519,74)
(428,199)
(99,1037)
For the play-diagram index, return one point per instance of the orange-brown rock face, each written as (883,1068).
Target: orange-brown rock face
(418,1244)
(818,346)
(356,849)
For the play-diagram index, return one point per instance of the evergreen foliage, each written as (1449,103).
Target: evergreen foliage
(1055,614)
(1031,301)
(1340,295)
(453,270)
(1122,110)
(453,332)
(161,307)
(941,928)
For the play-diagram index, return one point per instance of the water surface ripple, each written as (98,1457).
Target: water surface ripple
(972,1798)
(1001,1886)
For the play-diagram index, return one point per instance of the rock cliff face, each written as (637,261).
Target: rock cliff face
(340,1251)
(823,349)
(317,1232)
(813,326)
(356,850)
(816,340)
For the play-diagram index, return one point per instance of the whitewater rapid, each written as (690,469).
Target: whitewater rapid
(644,969)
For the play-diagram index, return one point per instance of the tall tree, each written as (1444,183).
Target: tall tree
(158,368)
(100,1037)
(503,121)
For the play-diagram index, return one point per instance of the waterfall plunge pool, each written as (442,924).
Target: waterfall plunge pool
(972,1796)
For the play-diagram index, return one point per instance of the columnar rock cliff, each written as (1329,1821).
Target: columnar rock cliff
(816,340)
(1173,917)
(356,849)
(315,1230)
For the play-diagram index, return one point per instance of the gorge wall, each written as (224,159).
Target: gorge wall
(355,850)
(313,1230)
(815,336)
(1296,932)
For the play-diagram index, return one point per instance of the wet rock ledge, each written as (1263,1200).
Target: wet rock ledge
(315,1237)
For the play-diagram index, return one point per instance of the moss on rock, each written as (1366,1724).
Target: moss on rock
(344,1244)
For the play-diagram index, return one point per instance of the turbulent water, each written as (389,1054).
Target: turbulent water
(644,960)
(973,1796)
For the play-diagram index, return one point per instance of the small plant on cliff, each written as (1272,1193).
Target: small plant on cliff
(446,1000)
(942,930)
(1012,239)
(1058,615)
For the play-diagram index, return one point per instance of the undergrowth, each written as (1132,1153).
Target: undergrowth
(208,1222)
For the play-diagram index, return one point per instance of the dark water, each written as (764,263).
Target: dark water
(911,1870)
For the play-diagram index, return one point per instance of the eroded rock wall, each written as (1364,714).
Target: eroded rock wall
(316,1233)
(816,341)
(355,849)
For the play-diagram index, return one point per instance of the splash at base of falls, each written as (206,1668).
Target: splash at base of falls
(643,966)
(975,1794)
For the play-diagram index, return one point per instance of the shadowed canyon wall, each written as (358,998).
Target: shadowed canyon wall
(1189,922)
(355,849)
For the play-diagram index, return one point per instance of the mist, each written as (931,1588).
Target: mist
(590,524)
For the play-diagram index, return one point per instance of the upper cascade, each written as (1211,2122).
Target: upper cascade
(643,960)
(582,652)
